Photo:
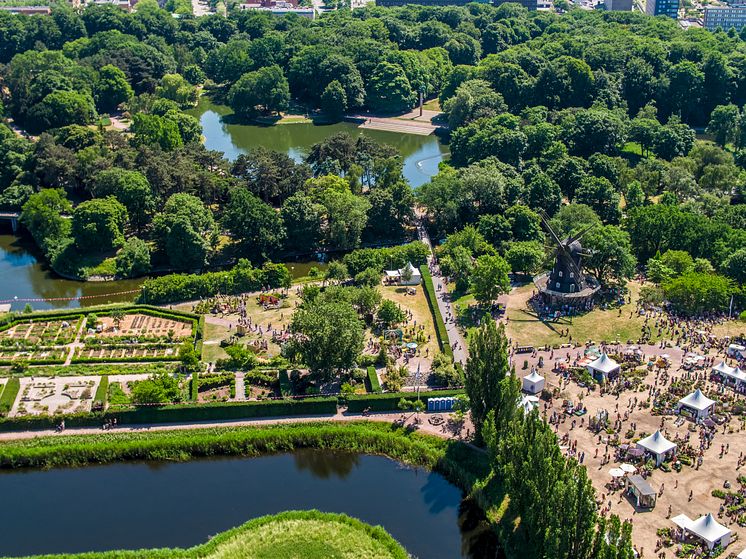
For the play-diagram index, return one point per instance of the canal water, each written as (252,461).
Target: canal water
(148,505)
(421,154)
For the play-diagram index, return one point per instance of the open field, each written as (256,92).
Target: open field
(524,328)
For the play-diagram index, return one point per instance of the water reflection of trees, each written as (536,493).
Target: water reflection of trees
(325,464)
(478,540)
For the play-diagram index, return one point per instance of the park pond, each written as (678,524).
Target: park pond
(25,278)
(420,154)
(149,505)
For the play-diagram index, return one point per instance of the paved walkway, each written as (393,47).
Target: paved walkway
(418,421)
(76,343)
(455,337)
(240,386)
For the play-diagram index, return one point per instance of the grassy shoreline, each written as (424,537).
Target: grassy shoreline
(315,534)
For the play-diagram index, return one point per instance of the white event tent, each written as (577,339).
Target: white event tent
(733,375)
(657,445)
(696,405)
(603,368)
(533,383)
(706,528)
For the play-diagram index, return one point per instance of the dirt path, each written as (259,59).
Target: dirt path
(410,420)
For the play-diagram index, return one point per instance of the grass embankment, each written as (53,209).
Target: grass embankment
(287,535)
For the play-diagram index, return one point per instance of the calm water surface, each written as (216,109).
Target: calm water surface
(24,276)
(146,505)
(421,154)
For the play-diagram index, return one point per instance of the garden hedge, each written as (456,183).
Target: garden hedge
(440,327)
(375,385)
(286,388)
(102,393)
(356,403)
(181,413)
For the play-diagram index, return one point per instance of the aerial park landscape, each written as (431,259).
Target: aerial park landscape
(358,281)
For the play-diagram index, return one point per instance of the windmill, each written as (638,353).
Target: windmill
(566,284)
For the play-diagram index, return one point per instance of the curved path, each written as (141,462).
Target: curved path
(443,431)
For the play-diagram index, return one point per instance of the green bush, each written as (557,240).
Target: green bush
(242,278)
(102,392)
(389,401)
(286,388)
(375,386)
(440,327)
(9,395)
(194,386)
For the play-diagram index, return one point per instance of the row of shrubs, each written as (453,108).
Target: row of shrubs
(175,414)
(440,327)
(357,403)
(398,256)
(242,278)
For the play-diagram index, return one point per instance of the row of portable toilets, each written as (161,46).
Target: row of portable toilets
(444,403)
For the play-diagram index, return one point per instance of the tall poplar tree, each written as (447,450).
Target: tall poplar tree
(490,385)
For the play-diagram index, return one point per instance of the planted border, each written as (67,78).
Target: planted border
(440,327)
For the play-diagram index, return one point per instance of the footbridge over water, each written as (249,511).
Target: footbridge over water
(12,218)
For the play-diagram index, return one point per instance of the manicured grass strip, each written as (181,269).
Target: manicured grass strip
(9,395)
(432,300)
(308,534)
(102,392)
(375,385)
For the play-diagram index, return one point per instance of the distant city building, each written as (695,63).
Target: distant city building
(668,8)
(725,17)
(27,10)
(618,5)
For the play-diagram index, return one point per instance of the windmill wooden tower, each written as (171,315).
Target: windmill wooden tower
(566,285)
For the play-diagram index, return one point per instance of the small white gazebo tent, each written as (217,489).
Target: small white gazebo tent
(533,383)
(696,405)
(657,445)
(397,276)
(741,555)
(528,403)
(603,368)
(706,528)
